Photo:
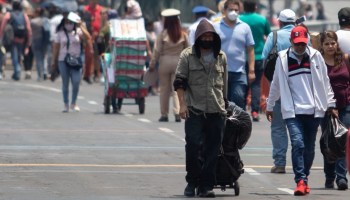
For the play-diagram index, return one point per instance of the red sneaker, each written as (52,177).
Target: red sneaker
(307,189)
(300,190)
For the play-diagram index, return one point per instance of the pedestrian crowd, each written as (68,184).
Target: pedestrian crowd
(221,58)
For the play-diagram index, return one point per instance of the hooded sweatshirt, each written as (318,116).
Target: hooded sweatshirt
(205,85)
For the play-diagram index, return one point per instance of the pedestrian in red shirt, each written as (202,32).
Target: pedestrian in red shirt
(91,62)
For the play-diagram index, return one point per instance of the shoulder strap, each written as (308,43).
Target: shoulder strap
(67,39)
(274,49)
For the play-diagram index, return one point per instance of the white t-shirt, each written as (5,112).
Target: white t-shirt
(54,22)
(344,40)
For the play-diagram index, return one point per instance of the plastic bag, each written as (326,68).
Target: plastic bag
(238,127)
(333,139)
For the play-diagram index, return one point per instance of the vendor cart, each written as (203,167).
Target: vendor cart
(123,67)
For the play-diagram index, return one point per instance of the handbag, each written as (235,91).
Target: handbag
(150,78)
(72,61)
(270,62)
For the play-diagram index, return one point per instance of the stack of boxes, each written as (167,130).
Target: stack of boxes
(128,57)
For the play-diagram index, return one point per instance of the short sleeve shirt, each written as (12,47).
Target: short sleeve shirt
(74,43)
(234,42)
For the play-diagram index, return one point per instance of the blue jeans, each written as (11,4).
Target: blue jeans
(279,136)
(16,55)
(204,134)
(237,88)
(338,170)
(256,86)
(69,74)
(302,131)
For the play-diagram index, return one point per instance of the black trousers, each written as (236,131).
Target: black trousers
(204,133)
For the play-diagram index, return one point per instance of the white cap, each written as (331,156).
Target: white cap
(73,17)
(170,12)
(287,15)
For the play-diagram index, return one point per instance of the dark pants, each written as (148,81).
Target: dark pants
(256,86)
(204,134)
(338,170)
(237,88)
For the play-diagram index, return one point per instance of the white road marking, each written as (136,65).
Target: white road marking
(166,130)
(144,120)
(81,97)
(40,87)
(287,190)
(128,115)
(251,171)
(171,132)
(92,102)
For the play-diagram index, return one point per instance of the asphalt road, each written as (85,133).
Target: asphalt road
(46,154)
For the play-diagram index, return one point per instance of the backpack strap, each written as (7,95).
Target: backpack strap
(274,48)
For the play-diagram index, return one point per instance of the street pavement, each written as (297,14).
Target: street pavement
(46,154)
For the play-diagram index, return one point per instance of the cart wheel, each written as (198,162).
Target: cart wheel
(236,188)
(119,104)
(141,102)
(107,104)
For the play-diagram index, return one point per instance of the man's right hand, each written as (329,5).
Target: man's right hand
(269,115)
(184,114)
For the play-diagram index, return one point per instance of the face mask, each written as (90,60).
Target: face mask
(232,16)
(69,27)
(206,44)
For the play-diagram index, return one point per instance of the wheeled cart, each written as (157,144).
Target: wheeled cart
(123,67)
(229,167)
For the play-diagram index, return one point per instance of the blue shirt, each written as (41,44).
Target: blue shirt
(234,42)
(283,42)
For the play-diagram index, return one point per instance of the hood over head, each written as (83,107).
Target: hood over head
(205,26)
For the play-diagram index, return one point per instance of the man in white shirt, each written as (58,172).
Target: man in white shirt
(302,83)
(344,32)
(200,12)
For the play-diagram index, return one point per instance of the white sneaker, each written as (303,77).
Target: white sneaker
(75,108)
(102,79)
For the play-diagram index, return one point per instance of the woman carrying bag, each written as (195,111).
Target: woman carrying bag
(339,75)
(66,56)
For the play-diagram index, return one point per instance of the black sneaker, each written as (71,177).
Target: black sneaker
(163,119)
(190,190)
(207,193)
(342,184)
(329,184)
(87,79)
(177,118)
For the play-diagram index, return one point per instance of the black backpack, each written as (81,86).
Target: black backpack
(270,61)
(18,23)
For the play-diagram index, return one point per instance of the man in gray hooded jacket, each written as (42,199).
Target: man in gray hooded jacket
(201,85)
